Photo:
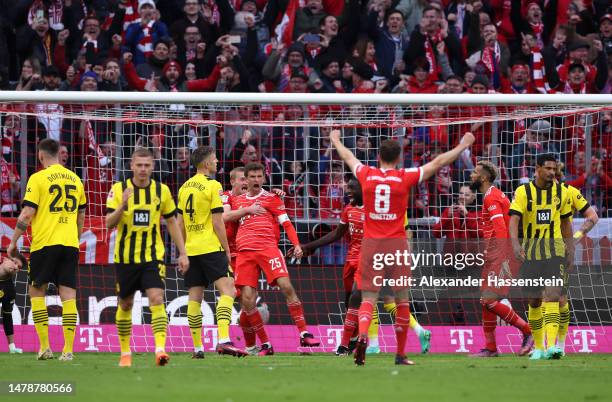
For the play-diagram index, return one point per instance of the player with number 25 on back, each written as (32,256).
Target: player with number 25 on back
(386,190)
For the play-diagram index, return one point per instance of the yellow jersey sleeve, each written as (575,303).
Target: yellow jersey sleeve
(216,204)
(83,198)
(406,220)
(519,203)
(168,207)
(180,202)
(579,203)
(566,203)
(32,195)
(113,201)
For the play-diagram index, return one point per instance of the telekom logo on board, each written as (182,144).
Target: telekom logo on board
(461,337)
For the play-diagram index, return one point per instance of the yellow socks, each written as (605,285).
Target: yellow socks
(41,321)
(69,321)
(537,327)
(564,319)
(194,317)
(224,317)
(551,322)
(390,308)
(159,324)
(123,320)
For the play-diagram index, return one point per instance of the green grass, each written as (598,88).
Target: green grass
(290,377)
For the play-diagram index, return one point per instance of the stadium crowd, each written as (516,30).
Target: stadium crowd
(324,46)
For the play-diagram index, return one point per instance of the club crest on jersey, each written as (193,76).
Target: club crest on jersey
(556,200)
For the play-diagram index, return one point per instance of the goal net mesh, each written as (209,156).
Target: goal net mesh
(292,141)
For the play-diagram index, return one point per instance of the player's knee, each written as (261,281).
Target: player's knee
(125,305)
(534,302)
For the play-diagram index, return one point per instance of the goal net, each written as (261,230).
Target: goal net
(290,137)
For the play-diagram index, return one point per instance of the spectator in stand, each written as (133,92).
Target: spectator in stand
(99,177)
(604,36)
(187,46)
(144,32)
(461,220)
(362,77)
(171,80)
(480,85)
(278,68)
(192,16)
(181,170)
(296,190)
(432,30)
(330,75)
(111,77)
(9,188)
(156,62)
(453,85)
(36,41)
(519,82)
(491,57)
(190,72)
(91,38)
(307,18)
(536,141)
(539,23)
(390,42)
(419,82)
(89,81)
(64,156)
(30,78)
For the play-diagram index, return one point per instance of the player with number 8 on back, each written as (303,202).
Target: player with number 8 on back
(135,207)
(386,190)
(55,205)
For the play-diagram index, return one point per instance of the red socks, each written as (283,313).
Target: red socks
(257,325)
(249,334)
(507,314)
(489,322)
(297,314)
(365,317)
(402,325)
(350,325)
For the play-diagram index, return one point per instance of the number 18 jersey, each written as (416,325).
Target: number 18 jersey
(385,199)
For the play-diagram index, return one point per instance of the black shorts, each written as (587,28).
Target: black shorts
(133,277)
(205,269)
(553,268)
(7,295)
(54,264)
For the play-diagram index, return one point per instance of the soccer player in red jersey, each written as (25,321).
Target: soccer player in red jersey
(499,260)
(352,219)
(257,245)
(385,198)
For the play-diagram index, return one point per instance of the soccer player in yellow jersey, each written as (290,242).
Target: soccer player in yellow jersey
(547,249)
(55,205)
(135,208)
(580,204)
(201,220)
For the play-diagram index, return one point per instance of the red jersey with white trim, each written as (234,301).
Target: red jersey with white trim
(231,227)
(495,205)
(385,199)
(259,232)
(354,217)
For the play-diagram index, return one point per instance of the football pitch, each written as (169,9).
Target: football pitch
(318,377)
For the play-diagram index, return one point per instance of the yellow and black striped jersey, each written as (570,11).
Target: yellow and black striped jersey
(198,199)
(577,200)
(541,211)
(139,237)
(58,195)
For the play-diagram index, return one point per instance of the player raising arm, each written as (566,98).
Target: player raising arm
(201,220)
(135,208)
(385,197)
(55,205)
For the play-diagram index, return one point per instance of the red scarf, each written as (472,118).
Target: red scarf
(537,30)
(430,54)
(538,71)
(145,44)
(129,17)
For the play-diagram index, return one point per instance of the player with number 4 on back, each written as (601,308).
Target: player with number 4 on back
(385,198)
(55,205)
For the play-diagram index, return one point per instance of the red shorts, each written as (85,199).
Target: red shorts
(250,262)
(349,274)
(502,267)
